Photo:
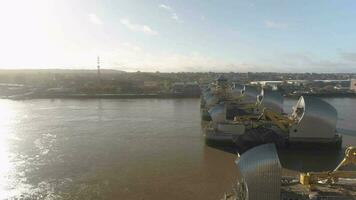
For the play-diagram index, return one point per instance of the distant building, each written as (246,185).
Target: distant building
(178,87)
(192,89)
(273,84)
(150,84)
(353,85)
(186,89)
(342,83)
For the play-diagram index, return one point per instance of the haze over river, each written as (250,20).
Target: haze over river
(120,149)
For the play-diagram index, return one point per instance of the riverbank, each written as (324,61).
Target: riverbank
(154,95)
(100,96)
(324,95)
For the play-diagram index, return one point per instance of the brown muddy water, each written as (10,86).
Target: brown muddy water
(120,149)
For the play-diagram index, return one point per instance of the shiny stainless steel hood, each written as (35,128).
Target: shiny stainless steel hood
(260,172)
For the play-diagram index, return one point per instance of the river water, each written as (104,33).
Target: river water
(118,149)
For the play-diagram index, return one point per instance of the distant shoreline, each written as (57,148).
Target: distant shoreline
(325,95)
(101,96)
(153,96)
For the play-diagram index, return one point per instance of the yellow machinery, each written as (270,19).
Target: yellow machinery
(281,121)
(317,124)
(332,176)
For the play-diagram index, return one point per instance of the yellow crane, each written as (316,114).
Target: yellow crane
(332,176)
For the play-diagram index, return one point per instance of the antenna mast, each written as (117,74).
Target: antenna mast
(98,66)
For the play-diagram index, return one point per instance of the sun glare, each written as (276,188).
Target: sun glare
(7,117)
(27,33)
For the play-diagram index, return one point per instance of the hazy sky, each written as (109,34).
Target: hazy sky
(180,35)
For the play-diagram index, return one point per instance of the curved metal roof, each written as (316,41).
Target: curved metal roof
(206,94)
(261,171)
(211,100)
(237,92)
(272,100)
(316,118)
(238,86)
(221,78)
(250,94)
(218,113)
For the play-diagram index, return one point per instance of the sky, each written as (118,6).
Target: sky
(180,35)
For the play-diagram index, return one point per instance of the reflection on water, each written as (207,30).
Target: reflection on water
(310,160)
(108,149)
(11,180)
(6,115)
(118,149)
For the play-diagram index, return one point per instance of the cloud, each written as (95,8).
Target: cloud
(171,11)
(127,58)
(93,18)
(165,7)
(132,46)
(276,25)
(138,27)
(309,62)
(175,17)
